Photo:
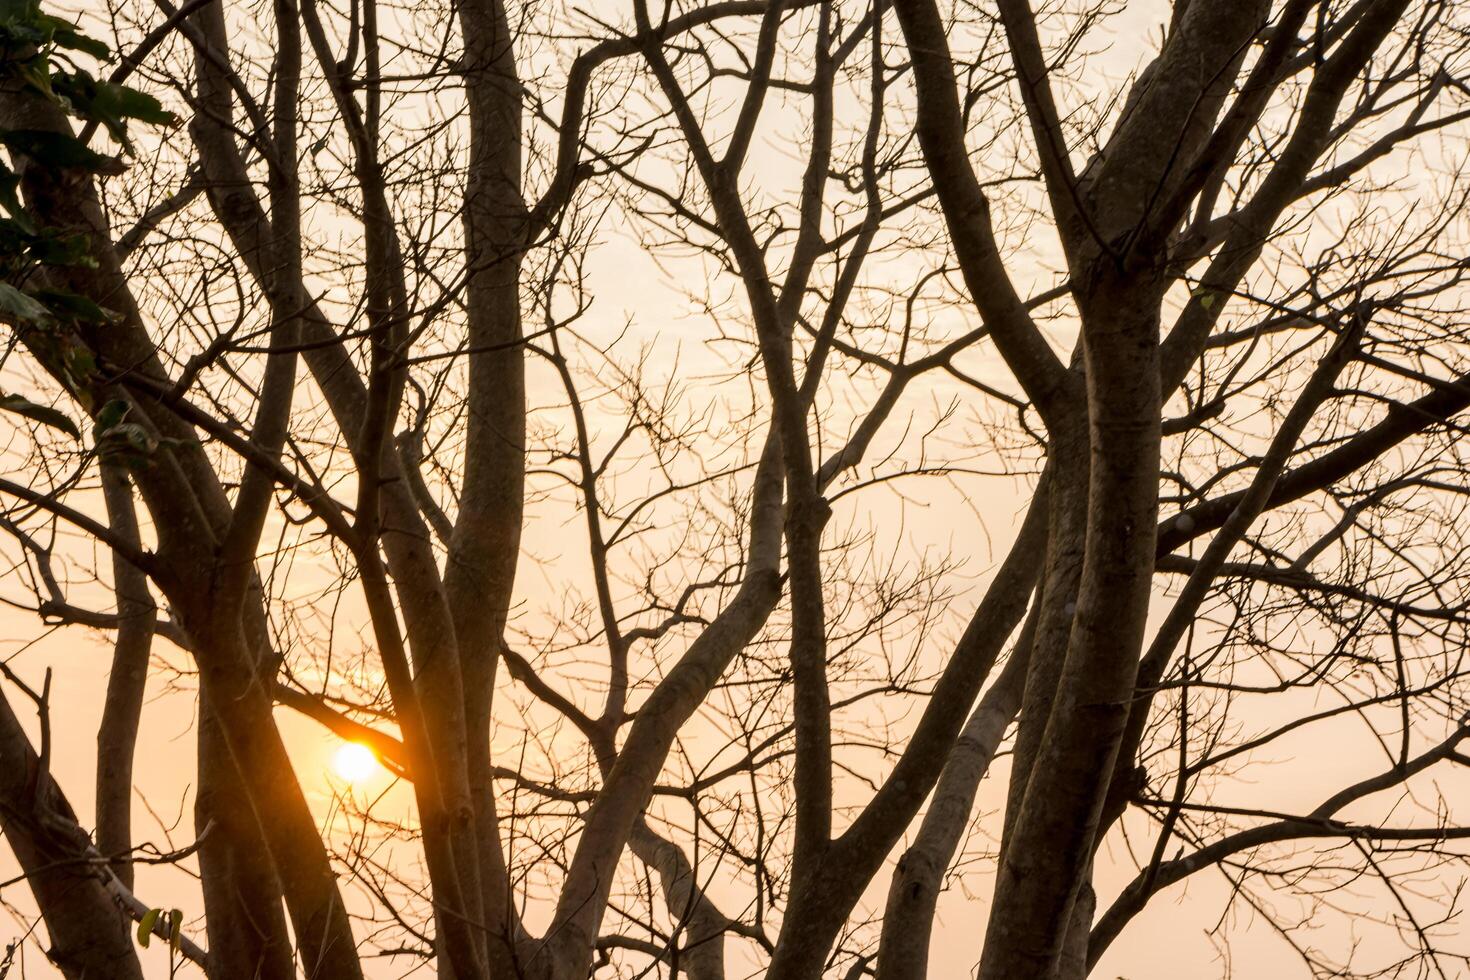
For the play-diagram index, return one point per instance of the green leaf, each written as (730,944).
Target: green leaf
(108,103)
(145,926)
(49,248)
(128,443)
(65,304)
(111,414)
(44,414)
(175,929)
(18,306)
(53,149)
(80,364)
(37,74)
(129,103)
(20,11)
(66,36)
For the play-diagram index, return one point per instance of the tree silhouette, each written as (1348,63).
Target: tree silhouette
(682,360)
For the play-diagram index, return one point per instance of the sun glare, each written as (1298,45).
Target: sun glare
(355,763)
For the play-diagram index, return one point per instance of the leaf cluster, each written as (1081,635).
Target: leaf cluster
(38,54)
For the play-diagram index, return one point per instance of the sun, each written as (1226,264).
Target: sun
(355,763)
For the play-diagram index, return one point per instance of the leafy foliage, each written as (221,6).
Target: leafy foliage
(37,53)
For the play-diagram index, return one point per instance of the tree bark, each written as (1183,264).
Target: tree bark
(1047,851)
(89,932)
(913,894)
(485,546)
(117,733)
(242,893)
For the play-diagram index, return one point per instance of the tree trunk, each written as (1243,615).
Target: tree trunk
(1050,845)
(241,703)
(485,547)
(117,734)
(908,919)
(242,895)
(90,938)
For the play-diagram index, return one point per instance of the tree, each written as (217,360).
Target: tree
(355,332)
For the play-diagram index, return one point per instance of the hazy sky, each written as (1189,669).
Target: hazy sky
(977,520)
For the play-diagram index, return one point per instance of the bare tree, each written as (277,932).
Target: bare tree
(682,360)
